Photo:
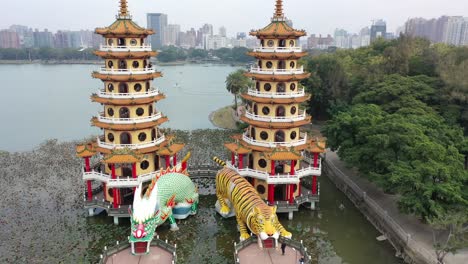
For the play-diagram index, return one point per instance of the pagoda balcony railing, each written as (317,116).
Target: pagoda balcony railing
(119,182)
(143,145)
(293,143)
(254,92)
(277,119)
(277,71)
(125,48)
(279,178)
(278,49)
(137,120)
(150,93)
(113,71)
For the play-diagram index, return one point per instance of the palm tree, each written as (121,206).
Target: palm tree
(236,83)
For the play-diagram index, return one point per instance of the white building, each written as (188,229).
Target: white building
(455,29)
(172,35)
(215,42)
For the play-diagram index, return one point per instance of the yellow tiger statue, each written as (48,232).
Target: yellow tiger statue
(250,210)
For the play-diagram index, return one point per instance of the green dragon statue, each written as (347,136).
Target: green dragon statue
(171,195)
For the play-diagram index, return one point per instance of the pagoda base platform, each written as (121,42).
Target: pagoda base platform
(249,252)
(160,252)
(156,255)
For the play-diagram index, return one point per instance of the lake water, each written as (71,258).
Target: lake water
(41,102)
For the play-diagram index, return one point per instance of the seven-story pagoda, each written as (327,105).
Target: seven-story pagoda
(132,148)
(273,145)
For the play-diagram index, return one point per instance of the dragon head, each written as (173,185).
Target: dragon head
(144,214)
(266,221)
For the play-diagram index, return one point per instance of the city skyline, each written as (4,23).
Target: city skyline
(354,14)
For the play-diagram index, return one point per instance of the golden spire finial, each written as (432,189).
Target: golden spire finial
(279,9)
(123,8)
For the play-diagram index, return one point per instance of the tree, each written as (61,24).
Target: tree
(450,233)
(411,152)
(237,82)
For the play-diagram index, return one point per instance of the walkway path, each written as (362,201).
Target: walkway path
(420,234)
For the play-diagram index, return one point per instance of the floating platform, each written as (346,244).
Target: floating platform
(160,252)
(249,252)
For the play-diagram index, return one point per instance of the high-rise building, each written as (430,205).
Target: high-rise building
(43,39)
(341,37)
(378,30)
(207,29)
(172,35)
(454,33)
(215,42)
(314,42)
(365,36)
(241,35)
(432,29)
(222,32)
(158,23)
(9,39)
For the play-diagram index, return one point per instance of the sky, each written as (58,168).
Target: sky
(317,17)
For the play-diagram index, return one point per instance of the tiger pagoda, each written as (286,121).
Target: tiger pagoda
(131,148)
(271,152)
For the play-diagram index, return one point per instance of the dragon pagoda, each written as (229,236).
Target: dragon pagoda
(132,148)
(271,152)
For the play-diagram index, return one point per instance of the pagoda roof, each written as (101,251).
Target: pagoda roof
(276,100)
(85,150)
(317,145)
(171,149)
(132,101)
(122,156)
(237,148)
(124,26)
(282,154)
(278,29)
(129,127)
(275,125)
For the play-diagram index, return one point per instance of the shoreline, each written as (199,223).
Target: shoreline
(231,125)
(98,62)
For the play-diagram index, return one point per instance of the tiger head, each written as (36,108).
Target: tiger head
(266,222)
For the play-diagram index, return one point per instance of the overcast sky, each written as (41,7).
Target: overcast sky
(316,16)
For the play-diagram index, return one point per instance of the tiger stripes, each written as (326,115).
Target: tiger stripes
(219,161)
(252,213)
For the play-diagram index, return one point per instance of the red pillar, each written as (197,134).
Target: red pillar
(134,172)
(316,160)
(184,165)
(233,159)
(271,193)
(241,161)
(114,190)
(174,159)
(314,185)
(291,193)
(293,169)
(168,161)
(271,187)
(90,187)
